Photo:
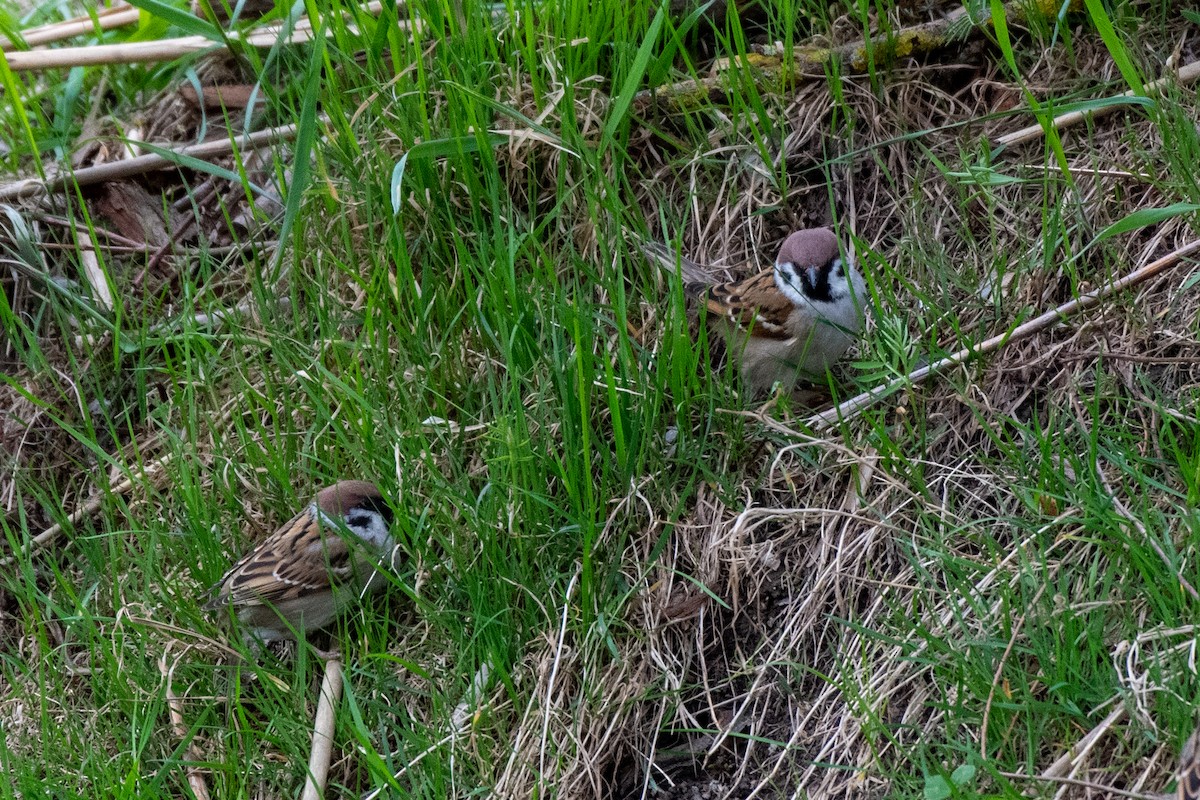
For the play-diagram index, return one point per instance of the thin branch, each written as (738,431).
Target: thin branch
(323,732)
(1137,359)
(169,49)
(152,472)
(855,405)
(115,170)
(987,706)
(1185,76)
(1104,791)
(770,67)
(322,741)
(106,19)
(195,777)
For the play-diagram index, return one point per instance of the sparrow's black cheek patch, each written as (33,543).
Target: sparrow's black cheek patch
(818,289)
(360,520)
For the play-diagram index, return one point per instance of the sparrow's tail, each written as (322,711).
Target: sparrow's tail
(696,279)
(1189,769)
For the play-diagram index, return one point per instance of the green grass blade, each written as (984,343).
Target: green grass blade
(633,79)
(188,23)
(1115,44)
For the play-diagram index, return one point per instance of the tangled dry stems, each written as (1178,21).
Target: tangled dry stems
(823,533)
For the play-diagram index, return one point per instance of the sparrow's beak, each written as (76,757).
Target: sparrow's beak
(814,275)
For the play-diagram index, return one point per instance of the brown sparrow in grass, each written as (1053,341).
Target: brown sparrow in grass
(312,568)
(1189,769)
(793,320)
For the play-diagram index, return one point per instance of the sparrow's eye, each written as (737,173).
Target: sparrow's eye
(368,513)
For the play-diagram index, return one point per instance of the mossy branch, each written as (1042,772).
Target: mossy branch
(769,67)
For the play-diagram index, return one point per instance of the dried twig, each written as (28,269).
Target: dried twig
(322,741)
(138,52)
(106,19)
(112,240)
(856,404)
(1185,76)
(769,68)
(153,472)
(126,168)
(168,49)
(195,777)
(1100,789)
(1012,641)
(1080,749)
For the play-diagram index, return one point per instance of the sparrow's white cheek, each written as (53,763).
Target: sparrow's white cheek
(371,527)
(788,281)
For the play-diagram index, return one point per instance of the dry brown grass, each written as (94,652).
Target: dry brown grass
(758,694)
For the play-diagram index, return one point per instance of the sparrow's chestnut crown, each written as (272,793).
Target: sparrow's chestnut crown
(810,269)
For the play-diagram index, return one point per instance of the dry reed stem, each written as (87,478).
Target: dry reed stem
(195,778)
(1185,76)
(95,273)
(115,170)
(322,739)
(138,52)
(1075,756)
(1101,789)
(168,49)
(768,69)
(154,472)
(107,19)
(855,405)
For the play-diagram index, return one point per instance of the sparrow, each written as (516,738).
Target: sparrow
(1189,769)
(790,321)
(312,568)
